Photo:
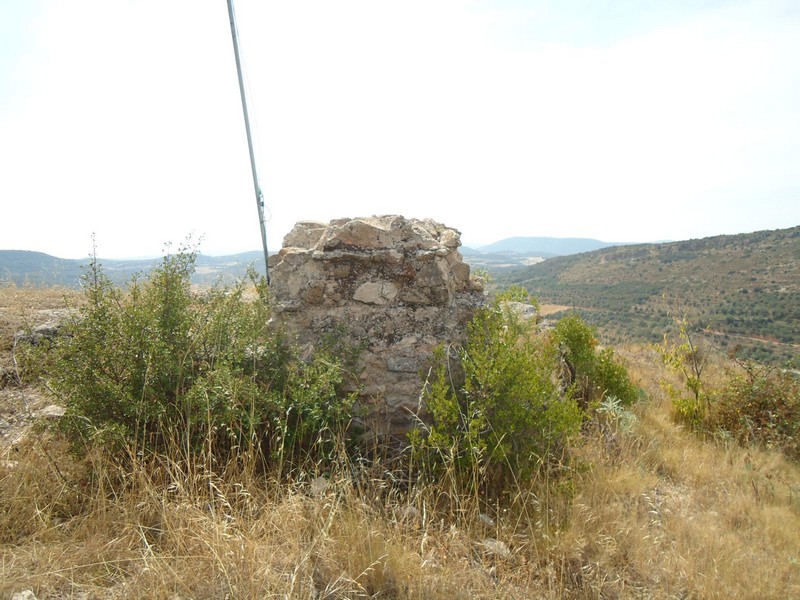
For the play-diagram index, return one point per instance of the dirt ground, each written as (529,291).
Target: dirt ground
(21,309)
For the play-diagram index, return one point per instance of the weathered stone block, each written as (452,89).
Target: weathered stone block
(376,292)
(397,287)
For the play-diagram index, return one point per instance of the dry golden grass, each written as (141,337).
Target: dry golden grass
(550,309)
(22,307)
(653,512)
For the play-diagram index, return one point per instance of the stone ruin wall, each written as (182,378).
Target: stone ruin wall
(395,287)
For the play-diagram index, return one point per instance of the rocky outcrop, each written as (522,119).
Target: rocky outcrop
(392,286)
(52,328)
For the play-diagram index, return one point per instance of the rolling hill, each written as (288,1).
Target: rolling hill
(743,290)
(23,267)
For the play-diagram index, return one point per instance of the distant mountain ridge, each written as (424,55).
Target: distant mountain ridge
(25,267)
(516,252)
(545,247)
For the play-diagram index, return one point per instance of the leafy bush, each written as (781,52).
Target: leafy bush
(508,418)
(159,368)
(612,379)
(759,405)
(754,404)
(591,373)
(689,359)
(516,293)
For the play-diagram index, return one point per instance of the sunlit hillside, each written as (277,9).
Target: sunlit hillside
(744,290)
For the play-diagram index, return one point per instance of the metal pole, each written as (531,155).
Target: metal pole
(256,186)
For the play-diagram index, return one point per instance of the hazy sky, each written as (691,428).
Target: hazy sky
(622,120)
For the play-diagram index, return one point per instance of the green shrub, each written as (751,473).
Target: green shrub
(505,418)
(516,293)
(686,357)
(158,368)
(591,373)
(754,403)
(761,405)
(611,378)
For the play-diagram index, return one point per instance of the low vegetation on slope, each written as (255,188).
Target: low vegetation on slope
(742,289)
(598,494)
(753,403)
